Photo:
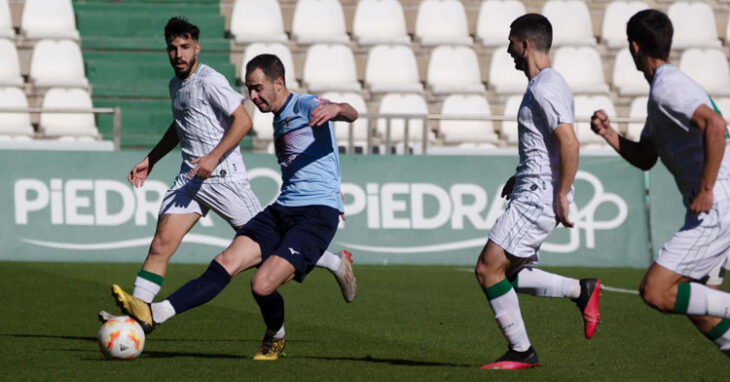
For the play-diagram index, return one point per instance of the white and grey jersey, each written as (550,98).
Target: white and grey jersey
(673,99)
(202,105)
(547,103)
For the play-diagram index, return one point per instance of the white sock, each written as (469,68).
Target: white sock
(723,341)
(704,301)
(330,261)
(162,311)
(145,290)
(278,334)
(506,307)
(536,282)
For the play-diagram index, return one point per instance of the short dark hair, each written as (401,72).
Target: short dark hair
(180,27)
(533,27)
(653,31)
(269,64)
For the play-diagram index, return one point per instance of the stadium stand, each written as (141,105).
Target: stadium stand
(392,69)
(584,108)
(626,79)
(9,64)
(277,49)
(457,132)
(319,21)
(49,19)
(14,125)
(6,23)
(68,125)
(454,69)
(396,103)
(494,18)
(330,67)
(379,22)
(503,78)
(359,127)
(571,22)
(709,67)
(57,63)
(636,110)
(694,25)
(615,17)
(267,26)
(441,22)
(582,69)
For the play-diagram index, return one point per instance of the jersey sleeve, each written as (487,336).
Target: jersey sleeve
(556,102)
(681,106)
(308,102)
(221,95)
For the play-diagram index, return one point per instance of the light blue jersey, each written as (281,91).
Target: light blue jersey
(310,163)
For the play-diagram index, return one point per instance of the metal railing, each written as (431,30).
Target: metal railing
(116,111)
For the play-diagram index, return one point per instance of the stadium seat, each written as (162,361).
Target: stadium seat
(49,19)
(503,77)
(454,69)
(57,63)
(615,17)
(319,21)
(694,25)
(6,23)
(396,103)
(723,104)
(379,22)
(9,65)
(636,110)
(14,124)
(626,79)
(330,67)
(467,131)
(266,26)
(509,129)
(441,22)
(709,67)
(582,69)
(359,127)
(279,50)
(67,124)
(392,69)
(495,17)
(263,125)
(585,106)
(571,22)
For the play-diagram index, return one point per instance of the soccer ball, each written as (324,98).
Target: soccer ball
(121,338)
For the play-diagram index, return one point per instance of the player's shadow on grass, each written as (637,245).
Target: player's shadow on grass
(392,361)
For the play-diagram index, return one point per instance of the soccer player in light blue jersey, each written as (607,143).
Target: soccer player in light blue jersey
(287,238)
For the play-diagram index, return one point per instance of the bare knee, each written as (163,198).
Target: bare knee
(262,287)
(491,266)
(656,297)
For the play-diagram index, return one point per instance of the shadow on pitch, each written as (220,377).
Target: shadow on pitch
(93,338)
(391,361)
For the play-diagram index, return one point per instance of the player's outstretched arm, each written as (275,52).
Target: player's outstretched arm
(640,154)
(240,126)
(330,111)
(141,170)
(569,149)
(713,129)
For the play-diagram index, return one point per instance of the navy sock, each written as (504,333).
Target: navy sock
(201,290)
(272,308)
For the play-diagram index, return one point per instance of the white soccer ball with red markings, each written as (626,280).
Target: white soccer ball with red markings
(121,338)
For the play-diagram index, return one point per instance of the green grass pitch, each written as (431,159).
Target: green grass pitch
(419,323)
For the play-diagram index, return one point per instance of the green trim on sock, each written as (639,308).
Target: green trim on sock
(514,281)
(497,290)
(149,276)
(718,330)
(682,301)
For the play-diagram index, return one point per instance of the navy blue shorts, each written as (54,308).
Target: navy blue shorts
(298,234)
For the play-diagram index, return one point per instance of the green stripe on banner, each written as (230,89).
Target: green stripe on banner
(718,330)
(155,278)
(682,301)
(497,290)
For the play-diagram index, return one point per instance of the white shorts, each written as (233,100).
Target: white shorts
(525,224)
(232,201)
(700,249)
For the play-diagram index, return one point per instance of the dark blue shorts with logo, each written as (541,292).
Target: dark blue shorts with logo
(298,234)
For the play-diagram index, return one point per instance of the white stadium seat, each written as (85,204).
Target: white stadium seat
(636,110)
(466,131)
(330,67)
(495,17)
(509,128)
(395,103)
(626,79)
(571,21)
(582,69)
(9,65)
(392,69)
(279,50)
(266,26)
(709,68)
(57,63)
(454,69)
(6,23)
(67,124)
(359,127)
(694,25)
(615,17)
(14,124)
(503,77)
(319,21)
(379,22)
(263,124)
(585,106)
(49,19)
(723,104)
(441,22)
